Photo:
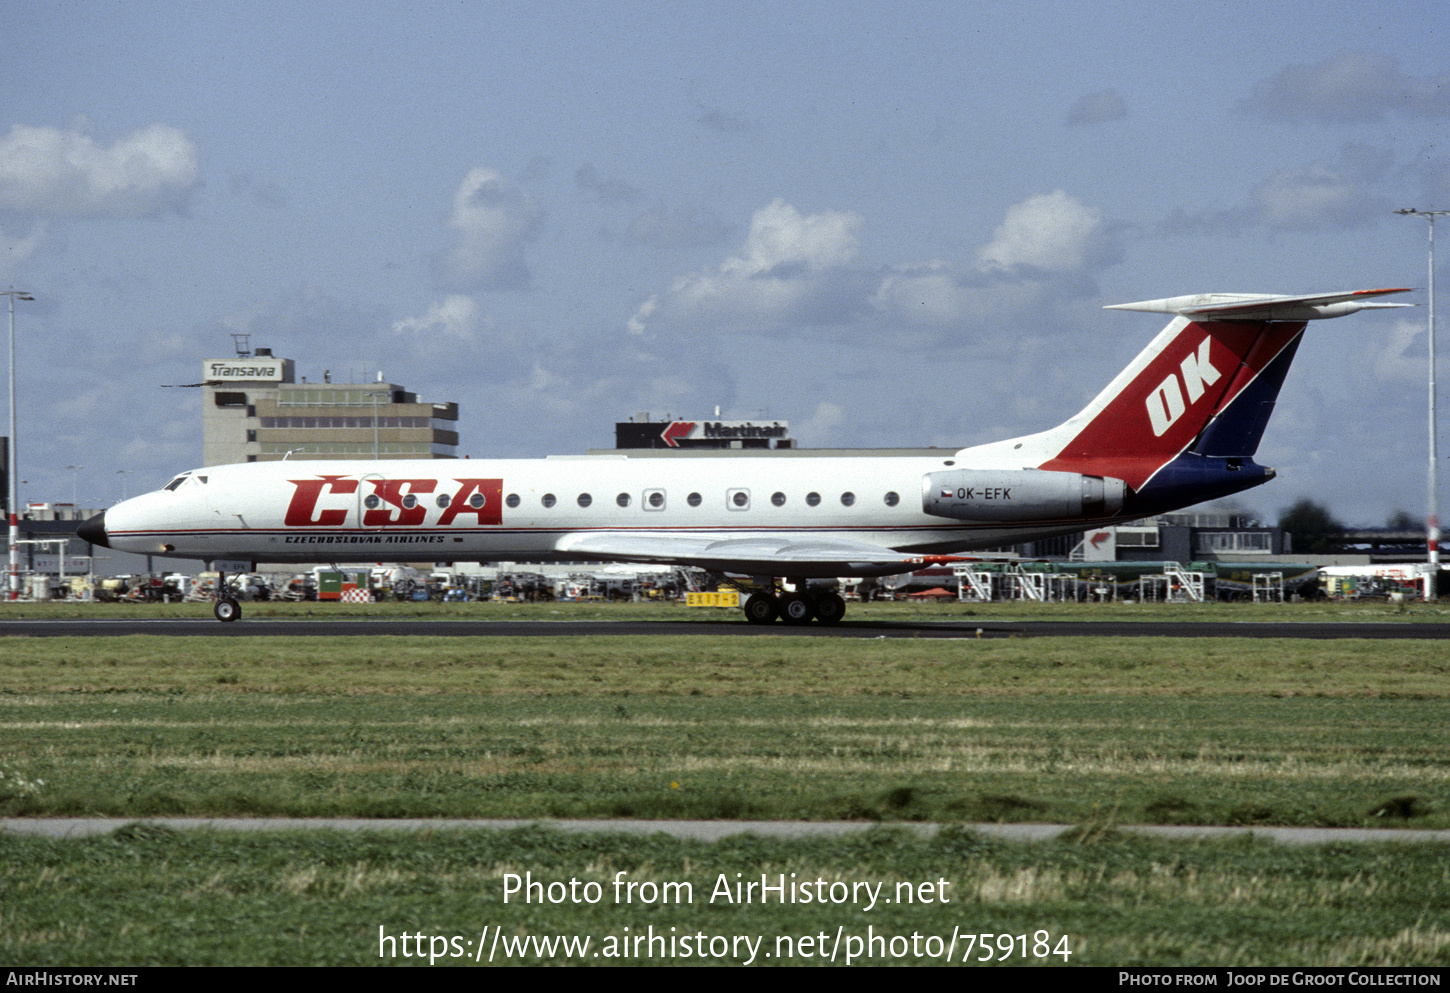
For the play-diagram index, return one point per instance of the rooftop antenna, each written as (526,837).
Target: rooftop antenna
(244,345)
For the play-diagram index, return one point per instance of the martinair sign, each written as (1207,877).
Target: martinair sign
(267,370)
(677,431)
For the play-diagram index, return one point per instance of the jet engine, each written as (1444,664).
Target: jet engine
(1019,494)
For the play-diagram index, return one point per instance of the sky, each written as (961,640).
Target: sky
(889,224)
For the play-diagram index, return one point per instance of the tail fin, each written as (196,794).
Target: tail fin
(1188,413)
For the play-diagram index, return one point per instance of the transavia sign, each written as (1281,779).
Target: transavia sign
(677,431)
(264,369)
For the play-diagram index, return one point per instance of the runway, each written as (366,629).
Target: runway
(707,831)
(733,628)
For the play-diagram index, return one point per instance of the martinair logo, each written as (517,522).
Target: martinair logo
(1166,403)
(675,430)
(333,501)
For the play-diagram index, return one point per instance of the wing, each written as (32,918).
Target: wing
(762,555)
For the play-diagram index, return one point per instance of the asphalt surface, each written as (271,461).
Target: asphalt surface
(709,831)
(364,626)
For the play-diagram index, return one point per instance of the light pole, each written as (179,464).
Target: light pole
(13,294)
(1432,522)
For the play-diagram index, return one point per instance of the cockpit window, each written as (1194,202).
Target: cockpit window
(176,482)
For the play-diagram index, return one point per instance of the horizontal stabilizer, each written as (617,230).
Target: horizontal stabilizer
(1265,306)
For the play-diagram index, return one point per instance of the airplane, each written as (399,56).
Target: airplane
(1178,426)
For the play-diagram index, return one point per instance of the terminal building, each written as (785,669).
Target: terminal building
(254,410)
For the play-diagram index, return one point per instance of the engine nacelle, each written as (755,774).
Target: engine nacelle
(1019,494)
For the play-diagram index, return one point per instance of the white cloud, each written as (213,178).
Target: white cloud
(1050,231)
(495,221)
(48,172)
(798,270)
(454,331)
(780,236)
(792,268)
(455,317)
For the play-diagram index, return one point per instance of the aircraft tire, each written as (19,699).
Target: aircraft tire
(227,610)
(796,608)
(830,608)
(761,608)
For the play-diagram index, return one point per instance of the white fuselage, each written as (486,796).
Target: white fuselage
(492,510)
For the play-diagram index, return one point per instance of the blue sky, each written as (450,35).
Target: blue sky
(891,224)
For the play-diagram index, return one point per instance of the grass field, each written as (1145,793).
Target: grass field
(1088,731)
(150,896)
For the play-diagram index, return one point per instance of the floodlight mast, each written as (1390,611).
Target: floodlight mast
(1432,519)
(14,585)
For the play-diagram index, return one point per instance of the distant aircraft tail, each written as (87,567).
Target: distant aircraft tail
(1185,417)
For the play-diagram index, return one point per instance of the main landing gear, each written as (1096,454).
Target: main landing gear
(795,608)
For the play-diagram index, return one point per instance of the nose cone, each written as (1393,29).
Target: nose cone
(94,531)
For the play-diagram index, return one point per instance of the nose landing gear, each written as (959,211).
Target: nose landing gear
(227,609)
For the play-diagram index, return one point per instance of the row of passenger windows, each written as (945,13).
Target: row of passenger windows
(372,501)
(736,499)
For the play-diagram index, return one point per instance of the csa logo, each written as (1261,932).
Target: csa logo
(393,502)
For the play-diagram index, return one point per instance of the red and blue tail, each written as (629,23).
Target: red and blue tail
(1182,422)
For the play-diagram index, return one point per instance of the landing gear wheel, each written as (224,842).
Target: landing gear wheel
(227,610)
(760,608)
(795,608)
(830,608)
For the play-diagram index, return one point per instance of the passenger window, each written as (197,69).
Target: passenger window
(738,499)
(548,500)
(892,499)
(813,499)
(622,499)
(443,500)
(778,499)
(585,499)
(848,498)
(654,499)
(693,499)
(476,501)
(513,500)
